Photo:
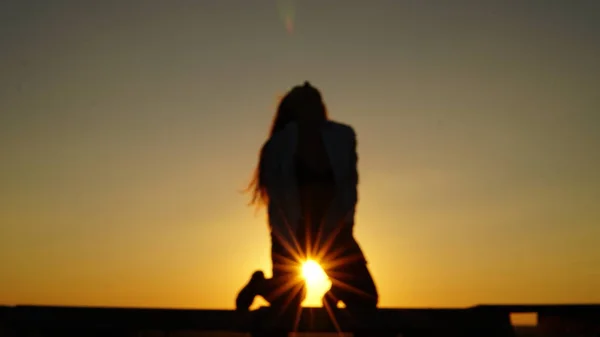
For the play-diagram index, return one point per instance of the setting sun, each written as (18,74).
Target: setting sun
(317,282)
(313,273)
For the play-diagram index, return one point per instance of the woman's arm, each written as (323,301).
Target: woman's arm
(353,159)
(352,184)
(283,211)
(342,210)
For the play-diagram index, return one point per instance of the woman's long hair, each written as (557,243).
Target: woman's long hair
(301,102)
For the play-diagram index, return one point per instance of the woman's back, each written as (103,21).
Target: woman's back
(315,180)
(325,159)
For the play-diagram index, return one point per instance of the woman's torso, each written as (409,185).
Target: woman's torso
(315,181)
(325,185)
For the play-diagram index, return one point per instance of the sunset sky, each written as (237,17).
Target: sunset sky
(128,129)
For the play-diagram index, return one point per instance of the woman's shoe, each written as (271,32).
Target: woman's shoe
(246,296)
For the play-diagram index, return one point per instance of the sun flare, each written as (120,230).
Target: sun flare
(317,282)
(313,273)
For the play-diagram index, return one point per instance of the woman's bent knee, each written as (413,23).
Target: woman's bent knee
(287,289)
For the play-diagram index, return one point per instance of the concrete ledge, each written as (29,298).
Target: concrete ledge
(485,320)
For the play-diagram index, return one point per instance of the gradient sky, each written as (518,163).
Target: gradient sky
(128,128)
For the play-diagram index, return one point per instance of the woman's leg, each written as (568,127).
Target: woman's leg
(353,284)
(285,291)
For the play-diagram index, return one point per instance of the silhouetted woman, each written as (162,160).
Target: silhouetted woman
(307,177)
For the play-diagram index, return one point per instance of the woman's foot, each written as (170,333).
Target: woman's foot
(246,296)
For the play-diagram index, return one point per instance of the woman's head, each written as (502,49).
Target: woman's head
(302,104)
